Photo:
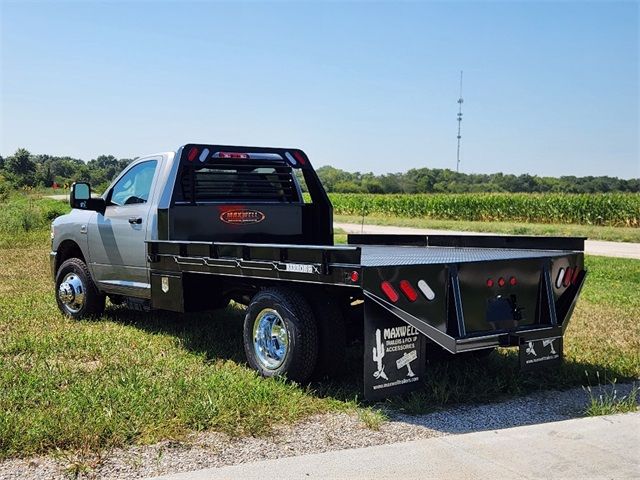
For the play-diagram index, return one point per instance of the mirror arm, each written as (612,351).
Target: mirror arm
(98,205)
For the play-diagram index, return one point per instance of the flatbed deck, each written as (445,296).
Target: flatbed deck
(387,255)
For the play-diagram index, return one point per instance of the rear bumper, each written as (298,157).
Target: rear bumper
(507,339)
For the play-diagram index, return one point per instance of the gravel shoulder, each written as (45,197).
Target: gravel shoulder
(315,435)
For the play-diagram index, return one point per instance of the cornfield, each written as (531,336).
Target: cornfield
(611,209)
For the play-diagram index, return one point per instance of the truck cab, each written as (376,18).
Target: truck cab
(110,238)
(197,194)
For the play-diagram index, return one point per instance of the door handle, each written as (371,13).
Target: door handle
(135,220)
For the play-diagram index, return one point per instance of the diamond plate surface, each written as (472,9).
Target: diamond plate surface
(380,256)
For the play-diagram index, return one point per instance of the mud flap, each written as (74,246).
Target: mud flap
(394,354)
(544,352)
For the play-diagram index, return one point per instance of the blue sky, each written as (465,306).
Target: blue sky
(550,88)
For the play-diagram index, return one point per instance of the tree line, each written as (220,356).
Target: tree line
(436,180)
(23,169)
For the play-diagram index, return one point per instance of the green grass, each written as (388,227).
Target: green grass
(141,377)
(594,232)
(604,399)
(25,217)
(128,377)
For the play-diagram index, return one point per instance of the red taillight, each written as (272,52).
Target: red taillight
(490,282)
(567,277)
(233,155)
(576,272)
(389,291)
(354,276)
(408,291)
(501,282)
(513,281)
(193,152)
(299,157)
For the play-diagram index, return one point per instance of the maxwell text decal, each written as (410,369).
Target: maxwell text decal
(242,216)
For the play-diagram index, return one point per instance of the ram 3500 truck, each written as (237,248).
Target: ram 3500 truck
(193,229)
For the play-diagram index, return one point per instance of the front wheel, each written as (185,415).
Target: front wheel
(76,294)
(280,335)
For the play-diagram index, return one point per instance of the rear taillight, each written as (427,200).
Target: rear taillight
(426,290)
(192,154)
(290,158)
(408,291)
(203,156)
(233,155)
(502,282)
(299,157)
(568,274)
(576,272)
(389,291)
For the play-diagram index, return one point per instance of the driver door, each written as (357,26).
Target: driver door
(117,238)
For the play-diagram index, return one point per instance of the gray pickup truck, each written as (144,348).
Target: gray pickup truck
(193,229)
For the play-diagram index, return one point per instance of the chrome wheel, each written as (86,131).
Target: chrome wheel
(270,339)
(71,293)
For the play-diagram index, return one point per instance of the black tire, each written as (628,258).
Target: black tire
(302,349)
(93,303)
(332,337)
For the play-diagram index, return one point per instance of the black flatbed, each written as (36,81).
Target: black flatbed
(332,265)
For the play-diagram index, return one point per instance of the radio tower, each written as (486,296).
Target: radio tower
(460,100)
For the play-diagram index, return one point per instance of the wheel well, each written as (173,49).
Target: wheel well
(66,250)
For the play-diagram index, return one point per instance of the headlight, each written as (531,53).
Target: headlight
(53,233)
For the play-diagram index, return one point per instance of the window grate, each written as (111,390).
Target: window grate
(233,182)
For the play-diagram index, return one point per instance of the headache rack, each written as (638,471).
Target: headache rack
(229,179)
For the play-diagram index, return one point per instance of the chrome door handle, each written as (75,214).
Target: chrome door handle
(135,220)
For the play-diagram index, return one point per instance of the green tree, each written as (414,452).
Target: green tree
(20,168)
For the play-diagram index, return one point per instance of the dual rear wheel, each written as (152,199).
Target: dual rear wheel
(286,335)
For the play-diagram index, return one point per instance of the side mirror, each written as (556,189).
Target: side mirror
(81,199)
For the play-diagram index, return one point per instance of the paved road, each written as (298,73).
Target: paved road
(592,247)
(600,447)
(64,197)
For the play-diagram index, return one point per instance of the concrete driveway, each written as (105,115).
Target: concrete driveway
(597,447)
(592,247)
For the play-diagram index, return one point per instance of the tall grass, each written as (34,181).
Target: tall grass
(21,213)
(615,209)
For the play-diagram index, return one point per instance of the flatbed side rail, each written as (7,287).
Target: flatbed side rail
(314,264)
(471,241)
